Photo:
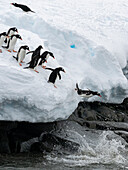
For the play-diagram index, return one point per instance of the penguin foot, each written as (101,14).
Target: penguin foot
(55,86)
(43,67)
(20,64)
(22,61)
(9,51)
(36,71)
(0,51)
(14,51)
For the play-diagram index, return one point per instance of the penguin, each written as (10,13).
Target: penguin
(23,7)
(36,52)
(45,57)
(35,58)
(33,64)
(21,54)
(10,32)
(2,38)
(11,43)
(86,93)
(55,73)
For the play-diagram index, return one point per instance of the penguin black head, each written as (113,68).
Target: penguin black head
(15,4)
(25,47)
(60,69)
(51,54)
(17,36)
(96,93)
(40,47)
(14,29)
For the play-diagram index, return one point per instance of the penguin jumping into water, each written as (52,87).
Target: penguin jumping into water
(86,93)
(55,73)
(23,7)
(21,54)
(2,38)
(10,32)
(45,57)
(11,43)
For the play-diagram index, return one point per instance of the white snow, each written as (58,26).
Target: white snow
(99,31)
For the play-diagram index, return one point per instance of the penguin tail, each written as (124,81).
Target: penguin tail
(25,67)
(15,57)
(4,47)
(32,11)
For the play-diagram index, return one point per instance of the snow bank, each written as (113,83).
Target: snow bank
(26,95)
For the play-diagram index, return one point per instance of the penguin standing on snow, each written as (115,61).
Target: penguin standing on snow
(23,7)
(55,73)
(36,52)
(86,93)
(2,38)
(45,57)
(35,59)
(21,54)
(10,32)
(11,43)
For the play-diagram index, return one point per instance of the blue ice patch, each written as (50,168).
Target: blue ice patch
(72,46)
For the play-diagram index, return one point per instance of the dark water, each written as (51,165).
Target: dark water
(38,161)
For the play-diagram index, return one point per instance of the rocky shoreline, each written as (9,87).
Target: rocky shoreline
(17,137)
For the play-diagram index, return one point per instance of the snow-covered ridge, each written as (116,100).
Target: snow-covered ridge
(26,95)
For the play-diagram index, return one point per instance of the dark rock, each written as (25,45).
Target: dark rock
(4,143)
(98,111)
(18,137)
(51,142)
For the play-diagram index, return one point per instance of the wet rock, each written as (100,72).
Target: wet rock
(51,142)
(98,111)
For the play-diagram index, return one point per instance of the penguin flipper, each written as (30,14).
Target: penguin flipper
(59,76)
(29,52)
(5,40)
(49,69)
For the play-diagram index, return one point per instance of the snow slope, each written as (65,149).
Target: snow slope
(99,31)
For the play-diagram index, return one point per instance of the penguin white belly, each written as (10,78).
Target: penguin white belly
(12,43)
(2,40)
(10,34)
(21,55)
(85,95)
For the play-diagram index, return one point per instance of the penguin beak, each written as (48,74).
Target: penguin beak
(46,61)
(11,3)
(64,71)
(100,95)
(21,38)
